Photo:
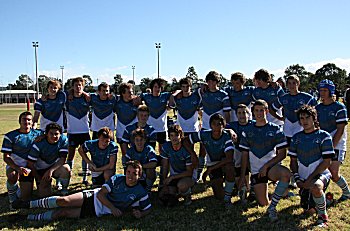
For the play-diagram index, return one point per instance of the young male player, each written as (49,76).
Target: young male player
(311,151)
(15,147)
(146,155)
(103,156)
(219,148)
(126,111)
(265,91)
(52,108)
(187,104)
(142,118)
(47,160)
(77,123)
(102,110)
(177,161)
(242,114)
(213,101)
(263,146)
(238,93)
(291,102)
(120,194)
(332,116)
(157,102)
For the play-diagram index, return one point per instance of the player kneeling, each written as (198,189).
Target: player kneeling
(178,160)
(47,159)
(103,153)
(311,151)
(264,145)
(146,155)
(117,196)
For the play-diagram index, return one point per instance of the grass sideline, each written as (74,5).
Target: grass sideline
(205,213)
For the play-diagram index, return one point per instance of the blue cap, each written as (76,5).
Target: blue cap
(326,83)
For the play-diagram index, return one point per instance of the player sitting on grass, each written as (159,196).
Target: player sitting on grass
(177,161)
(311,151)
(146,155)
(263,145)
(16,146)
(120,194)
(103,152)
(47,160)
(219,147)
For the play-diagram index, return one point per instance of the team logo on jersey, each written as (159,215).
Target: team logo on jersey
(317,141)
(272,93)
(331,113)
(285,101)
(270,133)
(218,98)
(301,102)
(246,93)
(131,197)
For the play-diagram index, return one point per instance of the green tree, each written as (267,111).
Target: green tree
(88,84)
(332,72)
(192,74)
(144,84)
(304,76)
(21,83)
(117,81)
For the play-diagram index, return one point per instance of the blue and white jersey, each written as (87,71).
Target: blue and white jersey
(77,115)
(158,109)
(238,129)
(290,104)
(45,154)
(18,145)
(100,157)
(214,102)
(126,115)
(187,116)
(262,142)
(102,113)
(178,160)
(331,115)
(270,95)
(122,196)
(51,110)
(151,134)
(216,148)
(245,96)
(146,156)
(311,149)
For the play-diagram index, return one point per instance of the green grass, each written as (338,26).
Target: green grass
(205,213)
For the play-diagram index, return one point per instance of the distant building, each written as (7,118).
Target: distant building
(17,96)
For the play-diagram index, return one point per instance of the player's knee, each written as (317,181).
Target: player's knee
(285,175)
(316,189)
(62,201)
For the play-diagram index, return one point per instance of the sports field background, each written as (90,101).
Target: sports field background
(205,213)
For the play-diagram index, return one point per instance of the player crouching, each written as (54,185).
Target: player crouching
(311,151)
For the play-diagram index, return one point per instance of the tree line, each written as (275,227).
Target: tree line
(308,80)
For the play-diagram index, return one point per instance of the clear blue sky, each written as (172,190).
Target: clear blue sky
(104,38)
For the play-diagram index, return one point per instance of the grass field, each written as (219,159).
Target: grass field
(205,213)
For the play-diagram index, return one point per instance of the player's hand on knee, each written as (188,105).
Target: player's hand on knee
(116,212)
(137,213)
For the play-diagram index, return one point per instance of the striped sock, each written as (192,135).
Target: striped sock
(320,204)
(279,191)
(70,163)
(47,216)
(84,167)
(343,185)
(12,191)
(228,190)
(47,202)
(200,168)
